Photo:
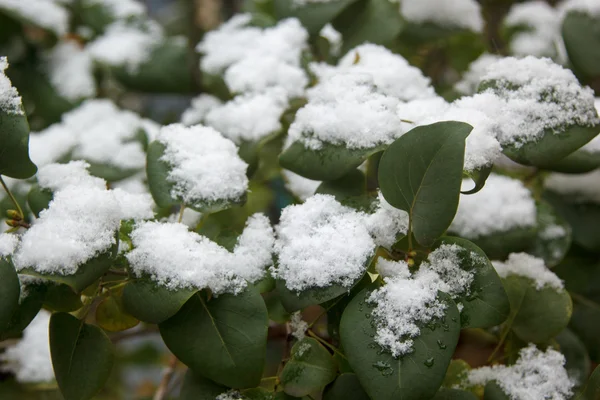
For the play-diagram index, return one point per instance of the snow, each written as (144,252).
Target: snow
(303,3)
(249,117)
(334,38)
(447,13)
(123,45)
(8,244)
(230,395)
(30,358)
(71,71)
(531,96)
(347,110)
(56,177)
(79,224)
(477,69)
(392,269)
(235,40)
(580,188)
(205,166)
(298,326)
(48,14)
(198,109)
(445,261)
(528,266)
(120,9)
(177,258)
(320,243)
(391,73)
(593,146)
(502,205)
(552,232)
(542,22)
(301,187)
(386,223)
(256,73)
(10,101)
(536,375)
(96,131)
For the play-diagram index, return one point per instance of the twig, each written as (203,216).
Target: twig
(162,390)
(181,210)
(12,198)
(325,343)
(118,337)
(118,272)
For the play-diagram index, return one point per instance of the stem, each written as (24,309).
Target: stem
(12,198)
(506,330)
(323,313)
(181,210)
(118,272)
(162,390)
(409,233)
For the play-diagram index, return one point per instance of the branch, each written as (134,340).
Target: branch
(162,390)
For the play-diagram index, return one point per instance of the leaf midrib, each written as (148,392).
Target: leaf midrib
(213,322)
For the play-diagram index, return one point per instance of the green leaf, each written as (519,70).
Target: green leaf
(151,302)
(196,387)
(585,323)
(581,34)
(494,392)
(26,311)
(112,316)
(14,146)
(487,305)
(158,170)
(453,394)
(499,245)
(373,21)
(329,163)
(223,339)
(38,199)
(86,274)
(456,373)
(346,386)
(591,391)
(536,315)
(309,369)
(277,312)
(60,297)
(167,70)
(549,244)
(414,376)
(10,289)
(578,363)
(349,186)
(577,162)
(479,178)
(582,217)
(82,356)
(554,144)
(313,16)
(294,301)
(421,173)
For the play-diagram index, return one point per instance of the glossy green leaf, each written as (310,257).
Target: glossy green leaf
(223,339)
(346,386)
(577,162)
(536,315)
(313,16)
(25,312)
(373,21)
(277,312)
(454,394)
(582,217)
(14,146)
(585,323)
(326,164)
(86,274)
(553,238)
(578,363)
(421,173)
(479,178)
(499,245)
(591,390)
(196,387)
(60,297)
(82,356)
(294,301)
(38,199)
(309,369)
(494,392)
(414,376)
(487,304)
(10,289)
(351,185)
(112,316)
(581,35)
(552,146)
(151,302)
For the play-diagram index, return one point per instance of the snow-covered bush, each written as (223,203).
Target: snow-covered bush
(364,199)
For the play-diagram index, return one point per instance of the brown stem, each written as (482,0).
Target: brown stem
(118,337)
(162,390)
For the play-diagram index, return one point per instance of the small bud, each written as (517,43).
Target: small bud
(410,262)
(13,214)
(13,223)
(412,253)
